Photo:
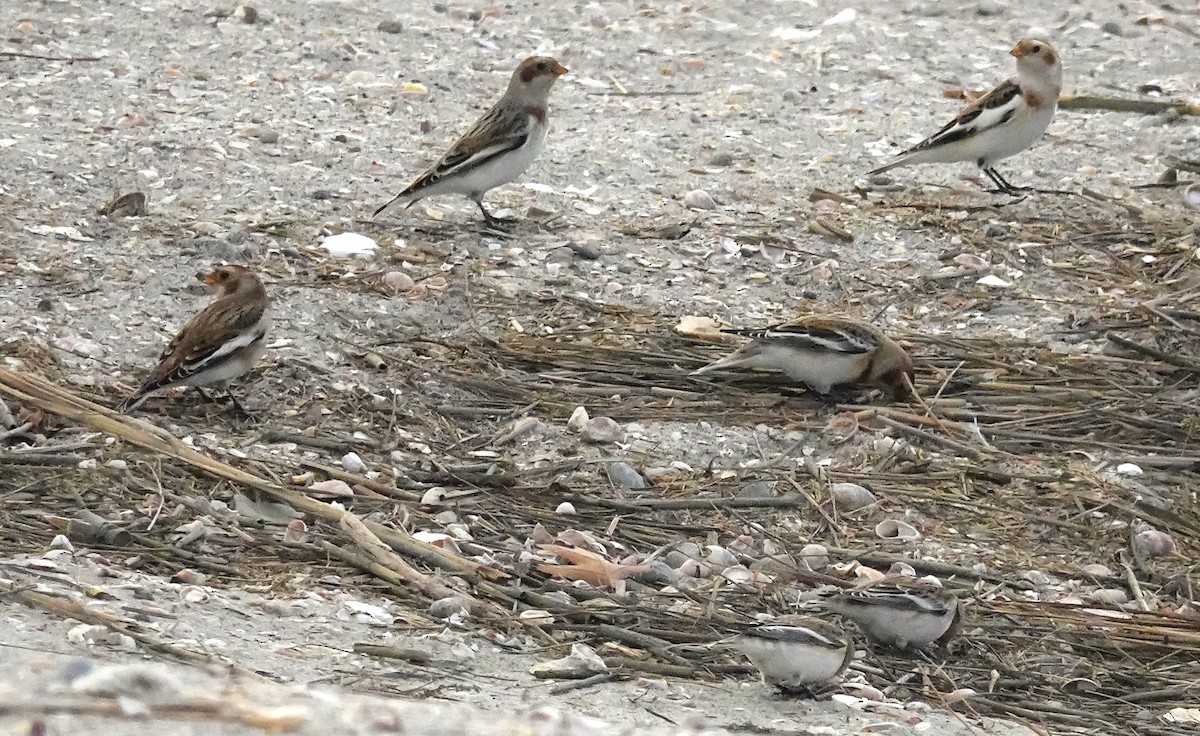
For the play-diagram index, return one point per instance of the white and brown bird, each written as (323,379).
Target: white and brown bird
(911,617)
(1008,120)
(499,148)
(823,351)
(798,655)
(218,344)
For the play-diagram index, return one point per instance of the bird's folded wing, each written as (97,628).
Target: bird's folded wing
(494,135)
(822,338)
(994,108)
(900,600)
(797,634)
(213,335)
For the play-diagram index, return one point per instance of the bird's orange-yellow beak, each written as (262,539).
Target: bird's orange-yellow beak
(209,278)
(1021,49)
(559,69)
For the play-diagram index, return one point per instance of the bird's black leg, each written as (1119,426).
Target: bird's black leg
(1002,184)
(493,222)
(204,395)
(237,405)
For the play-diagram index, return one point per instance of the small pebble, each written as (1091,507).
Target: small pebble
(246,14)
(656,573)
(675,559)
(266,135)
(851,496)
(814,556)
(1111,28)
(391,25)
(1112,596)
(1150,543)
(721,159)
(757,489)
(444,608)
(1037,577)
(602,430)
(586,252)
(698,199)
(566,508)
(623,475)
(398,281)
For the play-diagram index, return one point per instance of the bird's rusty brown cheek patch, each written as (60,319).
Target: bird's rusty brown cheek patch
(539,114)
(1032,99)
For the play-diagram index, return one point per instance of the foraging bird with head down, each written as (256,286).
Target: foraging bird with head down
(910,617)
(797,655)
(824,351)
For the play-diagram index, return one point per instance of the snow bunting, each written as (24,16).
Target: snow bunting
(1006,121)
(911,617)
(220,343)
(792,657)
(823,352)
(501,146)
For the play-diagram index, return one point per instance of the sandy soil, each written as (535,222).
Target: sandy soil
(253,141)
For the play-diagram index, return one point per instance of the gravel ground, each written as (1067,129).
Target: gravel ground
(253,141)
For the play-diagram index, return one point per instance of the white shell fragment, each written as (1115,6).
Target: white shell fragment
(578,419)
(349,244)
(581,662)
(896,529)
(1129,469)
(994,281)
(566,508)
(1191,196)
(333,488)
(353,463)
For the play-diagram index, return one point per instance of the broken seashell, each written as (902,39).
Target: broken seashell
(896,529)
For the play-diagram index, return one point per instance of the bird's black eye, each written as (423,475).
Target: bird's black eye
(1037,49)
(222,275)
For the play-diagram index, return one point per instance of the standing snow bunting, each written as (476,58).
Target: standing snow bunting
(218,344)
(1006,121)
(499,148)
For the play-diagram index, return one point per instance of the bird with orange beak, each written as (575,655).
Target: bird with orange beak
(219,343)
(824,351)
(1008,120)
(499,148)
